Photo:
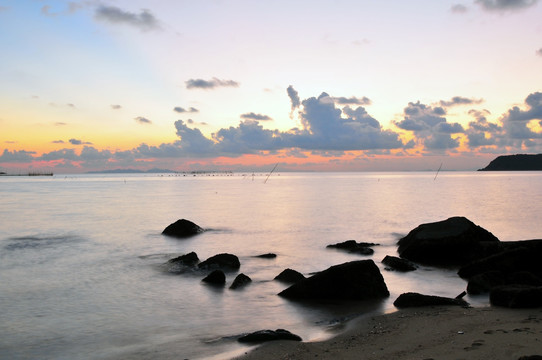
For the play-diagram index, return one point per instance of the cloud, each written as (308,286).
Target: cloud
(352,100)
(116,107)
(459,9)
(253,116)
(79,142)
(539,52)
(3,8)
(16,156)
(459,100)
(183,110)
(430,126)
(60,123)
(142,120)
(64,154)
(210,84)
(144,21)
(294,97)
(58,142)
(503,5)
(516,121)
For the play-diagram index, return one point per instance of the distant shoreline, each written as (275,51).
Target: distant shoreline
(28,174)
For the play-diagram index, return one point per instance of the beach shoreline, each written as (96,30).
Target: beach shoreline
(439,332)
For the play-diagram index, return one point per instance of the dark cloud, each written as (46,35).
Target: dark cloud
(58,142)
(253,116)
(352,100)
(142,120)
(534,111)
(210,84)
(294,97)
(503,5)
(16,156)
(79,142)
(64,154)
(430,126)
(459,100)
(183,110)
(145,20)
(116,107)
(248,138)
(459,9)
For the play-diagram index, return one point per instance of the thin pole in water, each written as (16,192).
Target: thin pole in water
(268,175)
(437,172)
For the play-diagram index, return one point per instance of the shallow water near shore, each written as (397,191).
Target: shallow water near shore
(82,257)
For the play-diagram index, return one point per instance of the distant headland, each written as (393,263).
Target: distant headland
(519,162)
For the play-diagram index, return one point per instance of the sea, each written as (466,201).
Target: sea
(84,270)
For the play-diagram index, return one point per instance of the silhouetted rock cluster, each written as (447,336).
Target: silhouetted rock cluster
(268,335)
(519,162)
(417,300)
(352,246)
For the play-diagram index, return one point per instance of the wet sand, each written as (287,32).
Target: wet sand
(439,333)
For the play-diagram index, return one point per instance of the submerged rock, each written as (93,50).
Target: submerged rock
(217,277)
(395,263)
(290,276)
(355,280)
(267,256)
(240,281)
(182,229)
(222,261)
(269,335)
(418,300)
(189,259)
(352,246)
(455,241)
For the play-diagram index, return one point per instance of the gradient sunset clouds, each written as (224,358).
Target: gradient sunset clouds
(242,85)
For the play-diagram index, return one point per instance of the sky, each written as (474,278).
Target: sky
(239,85)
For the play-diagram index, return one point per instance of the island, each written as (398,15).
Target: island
(518,162)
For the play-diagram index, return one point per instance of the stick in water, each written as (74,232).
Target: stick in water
(437,172)
(271,172)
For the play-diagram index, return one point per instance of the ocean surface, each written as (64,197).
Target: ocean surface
(83,271)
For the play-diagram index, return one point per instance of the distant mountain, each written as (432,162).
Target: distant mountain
(132,171)
(519,162)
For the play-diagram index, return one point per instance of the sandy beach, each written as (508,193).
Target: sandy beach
(440,333)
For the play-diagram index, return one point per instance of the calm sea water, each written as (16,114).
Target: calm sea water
(82,272)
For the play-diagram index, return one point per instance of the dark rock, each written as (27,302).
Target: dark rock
(352,246)
(417,300)
(267,256)
(189,259)
(516,296)
(355,280)
(240,281)
(182,228)
(226,261)
(396,263)
(268,335)
(518,256)
(519,162)
(290,276)
(484,282)
(455,241)
(217,277)
(531,357)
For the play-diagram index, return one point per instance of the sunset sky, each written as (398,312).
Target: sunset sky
(241,85)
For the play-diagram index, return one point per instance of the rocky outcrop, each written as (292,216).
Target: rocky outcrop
(355,280)
(221,261)
(519,162)
(398,264)
(267,256)
(268,335)
(516,296)
(182,229)
(352,246)
(452,242)
(484,282)
(240,281)
(217,277)
(419,300)
(290,276)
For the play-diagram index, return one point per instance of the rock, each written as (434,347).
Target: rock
(269,335)
(182,228)
(455,241)
(352,246)
(217,277)
(518,162)
(484,282)
(355,280)
(516,296)
(267,256)
(189,259)
(396,263)
(240,281)
(222,261)
(290,276)
(418,300)
(516,256)
(531,357)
